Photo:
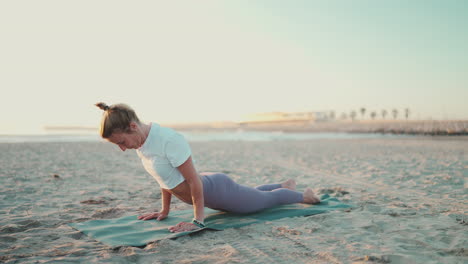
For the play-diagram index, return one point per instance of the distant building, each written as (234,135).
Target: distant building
(273,118)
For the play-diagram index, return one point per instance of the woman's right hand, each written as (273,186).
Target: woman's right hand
(156,215)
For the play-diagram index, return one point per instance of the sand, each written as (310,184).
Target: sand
(409,194)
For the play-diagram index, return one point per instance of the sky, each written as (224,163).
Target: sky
(199,61)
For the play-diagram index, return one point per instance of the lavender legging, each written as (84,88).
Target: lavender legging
(222,193)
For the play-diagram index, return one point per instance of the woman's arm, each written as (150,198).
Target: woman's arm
(196,189)
(166,201)
(166,207)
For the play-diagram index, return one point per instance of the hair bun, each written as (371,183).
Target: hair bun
(103,106)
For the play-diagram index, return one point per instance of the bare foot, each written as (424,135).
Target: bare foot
(289,184)
(310,197)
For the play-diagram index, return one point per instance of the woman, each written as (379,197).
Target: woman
(166,155)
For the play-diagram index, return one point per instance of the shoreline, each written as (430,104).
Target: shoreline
(423,128)
(396,127)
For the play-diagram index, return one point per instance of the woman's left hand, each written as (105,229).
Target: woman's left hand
(183,227)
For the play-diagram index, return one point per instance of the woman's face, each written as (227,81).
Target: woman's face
(133,139)
(126,140)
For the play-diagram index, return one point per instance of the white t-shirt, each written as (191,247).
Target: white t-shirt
(163,151)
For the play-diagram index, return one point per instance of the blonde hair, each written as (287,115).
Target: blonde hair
(116,119)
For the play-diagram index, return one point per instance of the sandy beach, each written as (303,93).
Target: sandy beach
(409,196)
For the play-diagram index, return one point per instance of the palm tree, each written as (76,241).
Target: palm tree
(384,113)
(407,113)
(363,112)
(353,115)
(344,116)
(373,114)
(395,113)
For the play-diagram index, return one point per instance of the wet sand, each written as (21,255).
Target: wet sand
(409,195)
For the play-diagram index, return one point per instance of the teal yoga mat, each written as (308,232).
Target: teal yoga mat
(129,231)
